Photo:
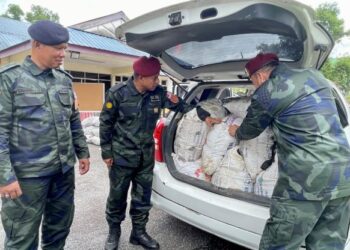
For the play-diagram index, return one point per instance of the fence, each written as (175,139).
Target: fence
(86,114)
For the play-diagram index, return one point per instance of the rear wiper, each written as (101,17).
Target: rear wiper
(322,49)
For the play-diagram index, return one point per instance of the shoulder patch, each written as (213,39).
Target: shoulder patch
(64,72)
(109,105)
(8,67)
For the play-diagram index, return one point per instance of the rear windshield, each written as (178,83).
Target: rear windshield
(235,48)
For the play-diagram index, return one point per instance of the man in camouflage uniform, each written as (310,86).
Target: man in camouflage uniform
(310,201)
(40,135)
(127,122)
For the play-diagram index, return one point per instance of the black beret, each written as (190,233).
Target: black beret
(49,33)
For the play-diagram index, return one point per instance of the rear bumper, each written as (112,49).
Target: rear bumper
(234,220)
(218,228)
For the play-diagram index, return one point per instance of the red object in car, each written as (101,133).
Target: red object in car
(157,135)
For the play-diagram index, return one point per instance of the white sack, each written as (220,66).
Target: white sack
(218,141)
(90,121)
(190,168)
(190,137)
(266,180)
(256,151)
(232,173)
(93,140)
(238,107)
(214,107)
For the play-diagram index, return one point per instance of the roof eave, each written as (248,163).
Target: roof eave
(18,48)
(15,49)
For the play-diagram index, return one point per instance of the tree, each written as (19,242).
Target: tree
(339,72)
(14,12)
(40,13)
(36,13)
(328,16)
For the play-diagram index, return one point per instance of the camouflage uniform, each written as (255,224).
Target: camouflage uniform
(127,122)
(40,134)
(314,160)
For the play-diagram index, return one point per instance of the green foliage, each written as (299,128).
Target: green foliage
(338,71)
(327,14)
(14,11)
(36,13)
(40,13)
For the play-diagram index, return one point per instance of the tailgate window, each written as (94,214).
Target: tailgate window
(235,48)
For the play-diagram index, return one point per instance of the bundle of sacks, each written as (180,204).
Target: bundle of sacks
(211,154)
(192,132)
(91,129)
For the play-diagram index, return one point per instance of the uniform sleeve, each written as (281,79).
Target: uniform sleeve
(175,103)
(7,175)
(79,139)
(108,118)
(255,122)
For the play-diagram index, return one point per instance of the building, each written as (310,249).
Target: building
(95,61)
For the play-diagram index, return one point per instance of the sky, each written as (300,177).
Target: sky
(76,11)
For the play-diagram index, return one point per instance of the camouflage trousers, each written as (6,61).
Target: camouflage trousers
(120,178)
(50,198)
(323,225)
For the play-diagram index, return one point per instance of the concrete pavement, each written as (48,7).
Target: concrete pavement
(89,228)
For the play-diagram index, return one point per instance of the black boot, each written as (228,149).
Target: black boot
(140,237)
(112,240)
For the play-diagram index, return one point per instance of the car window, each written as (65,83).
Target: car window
(224,93)
(235,48)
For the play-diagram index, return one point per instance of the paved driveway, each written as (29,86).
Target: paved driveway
(89,228)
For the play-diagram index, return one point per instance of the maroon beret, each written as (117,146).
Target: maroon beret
(258,62)
(147,66)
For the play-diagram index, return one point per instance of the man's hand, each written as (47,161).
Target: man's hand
(84,166)
(12,190)
(232,130)
(210,121)
(109,162)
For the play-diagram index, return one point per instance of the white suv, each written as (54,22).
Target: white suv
(209,42)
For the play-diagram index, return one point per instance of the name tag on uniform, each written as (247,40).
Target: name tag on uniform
(156,110)
(155,98)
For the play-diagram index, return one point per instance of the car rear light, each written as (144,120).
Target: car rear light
(157,135)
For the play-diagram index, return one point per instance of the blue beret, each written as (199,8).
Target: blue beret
(49,33)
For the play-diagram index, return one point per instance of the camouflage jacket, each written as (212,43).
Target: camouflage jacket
(313,151)
(128,119)
(40,130)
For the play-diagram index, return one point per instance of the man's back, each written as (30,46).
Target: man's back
(313,150)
